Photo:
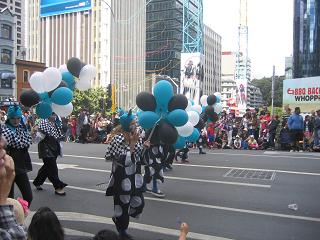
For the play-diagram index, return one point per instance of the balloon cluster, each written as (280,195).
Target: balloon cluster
(211,107)
(172,115)
(52,90)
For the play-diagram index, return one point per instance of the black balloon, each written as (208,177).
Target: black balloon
(178,101)
(155,135)
(29,98)
(146,101)
(209,111)
(74,66)
(200,125)
(212,99)
(214,117)
(62,84)
(167,133)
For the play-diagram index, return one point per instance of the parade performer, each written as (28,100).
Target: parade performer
(18,142)
(155,157)
(49,149)
(126,182)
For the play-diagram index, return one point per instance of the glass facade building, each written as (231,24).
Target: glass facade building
(306,38)
(164,37)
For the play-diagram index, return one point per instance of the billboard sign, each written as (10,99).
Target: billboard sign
(303,93)
(192,74)
(56,7)
(242,94)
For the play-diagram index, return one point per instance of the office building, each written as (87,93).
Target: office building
(212,61)
(306,38)
(109,34)
(8,53)
(288,68)
(17,8)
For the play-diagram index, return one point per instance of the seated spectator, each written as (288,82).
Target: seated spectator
(106,235)
(252,143)
(20,209)
(9,227)
(45,225)
(237,143)
(285,138)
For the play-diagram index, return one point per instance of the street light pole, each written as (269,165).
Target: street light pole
(272,90)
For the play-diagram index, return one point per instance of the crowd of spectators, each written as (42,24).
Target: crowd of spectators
(256,130)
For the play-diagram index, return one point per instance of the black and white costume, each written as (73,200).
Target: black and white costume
(18,142)
(49,149)
(155,157)
(126,181)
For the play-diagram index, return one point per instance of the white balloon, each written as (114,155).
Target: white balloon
(217,94)
(193,117)
(63,68)
(62,110)
(196,108)
(83,85)
(36,82)
(203,100)
(186,130)
(189,105)
(51,78)
(88,72)
(218,107)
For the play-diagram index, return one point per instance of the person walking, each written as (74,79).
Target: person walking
(18,142)
(49,149)
(125,149)
(295,124)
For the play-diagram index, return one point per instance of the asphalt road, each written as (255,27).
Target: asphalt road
(221,195)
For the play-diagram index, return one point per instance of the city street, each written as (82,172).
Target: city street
(225,194)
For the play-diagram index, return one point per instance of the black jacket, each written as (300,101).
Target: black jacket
(21,158)
(49,147)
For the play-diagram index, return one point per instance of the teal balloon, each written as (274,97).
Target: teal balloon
(180,143)
(44,110)
(62,96)
(44,97)
(163,92)
(194,136)
(218,99)
(147,119)
(178,117)
(69,79)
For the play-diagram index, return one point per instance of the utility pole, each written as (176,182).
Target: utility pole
(272,90)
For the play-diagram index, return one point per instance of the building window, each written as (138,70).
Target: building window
(6,83)
(6,56)
(6,31)
(26,75)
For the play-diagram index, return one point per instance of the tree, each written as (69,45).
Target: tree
(93,99)
(265,85)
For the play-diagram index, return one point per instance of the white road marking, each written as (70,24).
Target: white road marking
(89,218)
(71,166)
(260,155)
(247,211)
(216,167)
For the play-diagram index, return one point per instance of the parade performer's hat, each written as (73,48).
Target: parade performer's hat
(126,119)
(14,111)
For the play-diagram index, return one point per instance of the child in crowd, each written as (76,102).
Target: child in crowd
(237,143)
(252,143)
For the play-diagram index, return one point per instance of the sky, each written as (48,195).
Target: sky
(270,27)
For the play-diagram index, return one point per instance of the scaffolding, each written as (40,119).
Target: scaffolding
(192,26)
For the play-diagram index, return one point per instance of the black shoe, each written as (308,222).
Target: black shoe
(202,153)
(38,187)
(59,193)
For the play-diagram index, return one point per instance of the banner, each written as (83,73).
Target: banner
(56,7)
(303,93)
(192,74)
(242,94)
